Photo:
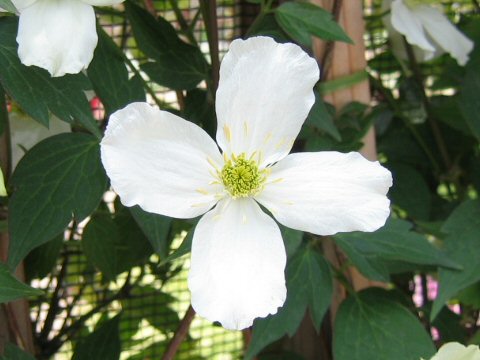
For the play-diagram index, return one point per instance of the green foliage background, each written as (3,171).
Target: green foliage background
(427,121)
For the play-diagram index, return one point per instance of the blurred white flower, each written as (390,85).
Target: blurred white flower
(58,35)
(172,167)
(424,25)
(456,351)
(26,132)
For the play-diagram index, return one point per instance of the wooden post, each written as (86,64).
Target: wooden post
(344,59)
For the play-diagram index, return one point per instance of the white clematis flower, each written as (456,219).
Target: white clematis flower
(424,25)
(457,351)
(172,167)
(58,35)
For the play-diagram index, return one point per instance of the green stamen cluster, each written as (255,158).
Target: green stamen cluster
(241,176)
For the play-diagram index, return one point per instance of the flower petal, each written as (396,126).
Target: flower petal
(405,22)
(159,161)
(457,351)
(238,263)
(328,192)
(264,96)
(444,33)
(102,2)
(57,35)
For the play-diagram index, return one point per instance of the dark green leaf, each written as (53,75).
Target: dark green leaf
(114,245)
(184,248)
(102,344)
(463,245)
(370,325)
(371,252)
(309,283)
(59,177)
(410,191)
(177,65)
(469,91)
(14,353)
(8,5)
(40,262)
(36,91)
(109,76)
(302,20)
(321,118)
(12,289)
(155,227)
(292,239)
(200,110)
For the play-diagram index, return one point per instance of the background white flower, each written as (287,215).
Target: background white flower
(172,167)
(456,351)
(424,25)
(58,35)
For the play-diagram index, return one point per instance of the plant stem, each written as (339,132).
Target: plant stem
(180,334)
(393,105)
(209,12)
(437,134)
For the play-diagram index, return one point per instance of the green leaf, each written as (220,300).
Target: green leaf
(114,245)
(42,260)
(372,252)
(14,353)
(12,289)
(102,344)
(462,244)
(343,82)
(36,91)
(184,248)
(59,177)
(410,191)
(177,65)
(309,283)
(8,5)
(302,20)
(469,90)
(109,76)
(155,227)
(199,109)
(321,118)
(370,325)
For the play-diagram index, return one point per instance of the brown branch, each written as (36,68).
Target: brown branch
(180,334)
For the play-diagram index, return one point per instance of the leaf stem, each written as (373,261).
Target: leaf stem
(185,28)
(437,134)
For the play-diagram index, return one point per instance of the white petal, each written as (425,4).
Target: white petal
(57,35)
(159,161)
(328,192)
(238,263)
(264,96)
(444,33)
(102,2)
(405,22)
(456,351)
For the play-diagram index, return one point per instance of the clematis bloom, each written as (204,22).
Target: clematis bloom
(172,167)
(424,25)
(457,351)
(58,35)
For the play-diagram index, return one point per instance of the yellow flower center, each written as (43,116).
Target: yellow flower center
(241,176)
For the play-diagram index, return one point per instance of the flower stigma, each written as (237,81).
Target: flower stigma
(241,176)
